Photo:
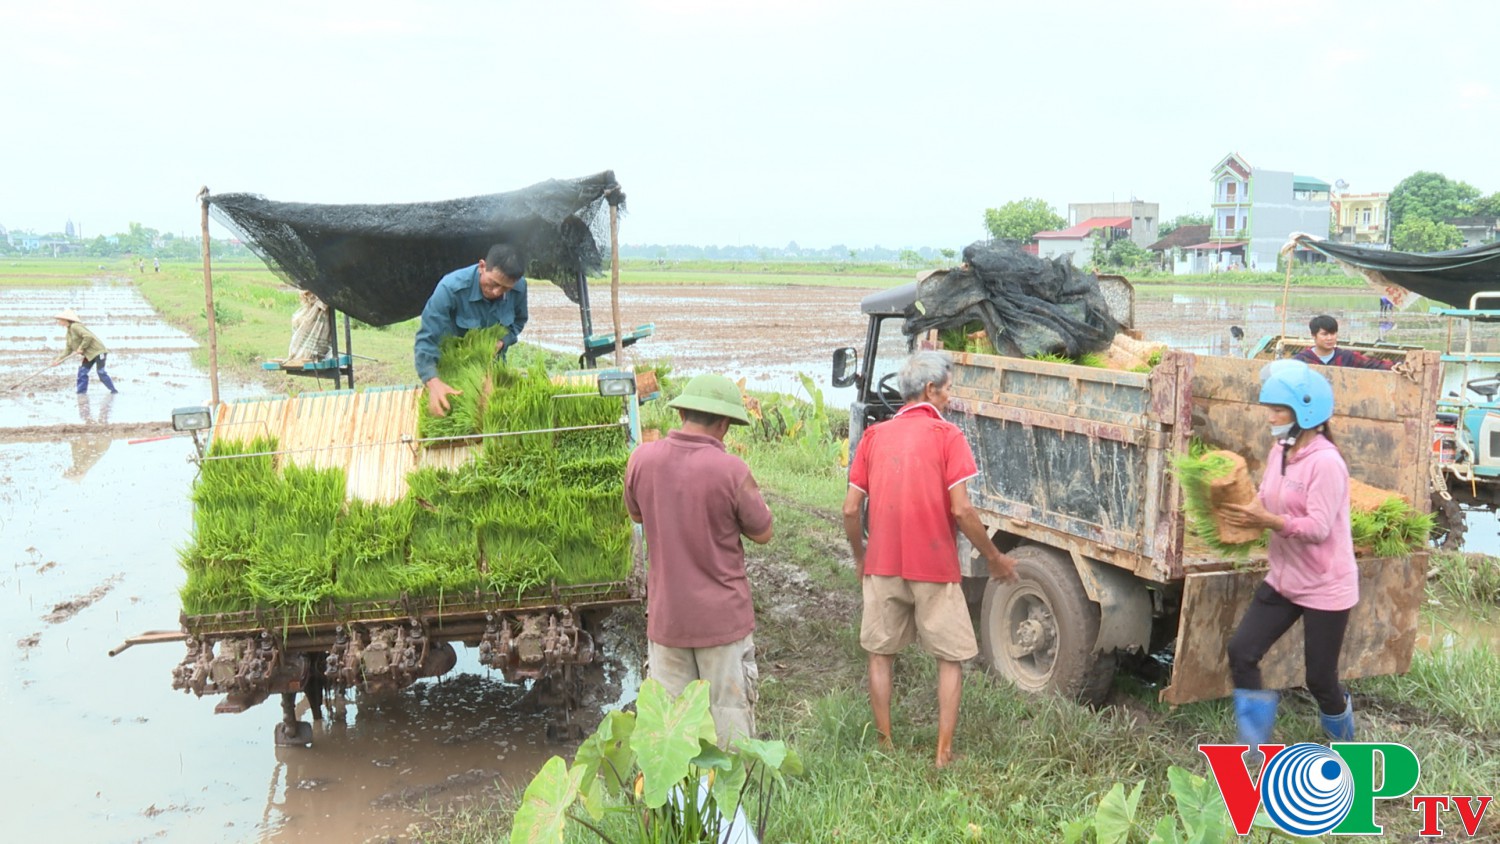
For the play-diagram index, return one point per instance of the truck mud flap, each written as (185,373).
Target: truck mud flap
(1382,629)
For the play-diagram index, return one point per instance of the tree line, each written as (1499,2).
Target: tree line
(138,242)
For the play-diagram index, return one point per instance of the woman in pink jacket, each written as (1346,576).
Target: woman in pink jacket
(1304,501)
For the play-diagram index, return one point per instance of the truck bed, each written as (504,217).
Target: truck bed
(1078,457)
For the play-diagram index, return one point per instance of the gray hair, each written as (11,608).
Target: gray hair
(921,369)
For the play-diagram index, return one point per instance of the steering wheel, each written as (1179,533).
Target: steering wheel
(883,391)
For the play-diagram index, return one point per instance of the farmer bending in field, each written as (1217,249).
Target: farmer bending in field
(491,292)
(695,500)
(1325,350)
(91,352)
(913,469)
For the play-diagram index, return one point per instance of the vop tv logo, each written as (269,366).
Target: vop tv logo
(1308,789)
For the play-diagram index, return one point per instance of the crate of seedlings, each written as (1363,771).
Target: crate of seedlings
(531,507)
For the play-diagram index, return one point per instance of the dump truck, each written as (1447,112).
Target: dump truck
(1074,483)
(379,264)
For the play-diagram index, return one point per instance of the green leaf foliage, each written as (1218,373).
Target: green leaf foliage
(1200,806)
(1430,196)
(543,813)
(656,776)
(1116,816)
(1022,219)
(668,735)
(1419,234)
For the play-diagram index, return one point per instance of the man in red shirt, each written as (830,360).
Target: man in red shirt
(913,469)
(695,500)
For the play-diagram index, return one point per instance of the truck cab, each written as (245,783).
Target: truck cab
(872,370)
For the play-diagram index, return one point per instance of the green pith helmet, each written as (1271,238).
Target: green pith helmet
(713,394)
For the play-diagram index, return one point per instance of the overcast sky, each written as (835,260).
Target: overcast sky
(751,121)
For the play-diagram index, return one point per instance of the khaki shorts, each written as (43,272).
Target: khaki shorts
(732,675)
(897,611)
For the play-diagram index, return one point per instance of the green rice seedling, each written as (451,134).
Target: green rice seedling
(1086,359)
(1195,471)
(504,522)
(215,588)
(292,571)
(1392,529)
(658,416)
(444,558)
(592,473)
(466,364)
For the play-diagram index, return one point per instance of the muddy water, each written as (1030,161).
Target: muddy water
(102,749)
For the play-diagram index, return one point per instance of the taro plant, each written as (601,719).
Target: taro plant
(656,776)
(1200,816)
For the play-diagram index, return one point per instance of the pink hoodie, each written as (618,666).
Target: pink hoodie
(1312,557)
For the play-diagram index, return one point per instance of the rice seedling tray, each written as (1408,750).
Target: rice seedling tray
(444,614)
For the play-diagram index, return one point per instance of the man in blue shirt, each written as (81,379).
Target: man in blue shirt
(491,292)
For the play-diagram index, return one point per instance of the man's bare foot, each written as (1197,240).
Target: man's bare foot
(884,742)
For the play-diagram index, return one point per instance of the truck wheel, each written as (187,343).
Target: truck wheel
(1039,632)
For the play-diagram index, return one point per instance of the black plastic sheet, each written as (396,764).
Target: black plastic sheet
(380,263)
(1028,305)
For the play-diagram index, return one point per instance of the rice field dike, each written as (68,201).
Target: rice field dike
(1029,769)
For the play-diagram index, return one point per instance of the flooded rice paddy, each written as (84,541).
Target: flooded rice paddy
(102,749)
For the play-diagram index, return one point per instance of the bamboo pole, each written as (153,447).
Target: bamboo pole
(614,280)
(208,306)
(1286,296)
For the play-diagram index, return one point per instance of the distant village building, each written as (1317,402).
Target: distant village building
(1256,211)
(68,230)
(1476,230)
(1078,241)
(1362,219)
(1144,216)
(1176,250)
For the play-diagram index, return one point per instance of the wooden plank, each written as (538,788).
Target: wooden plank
(1381,635)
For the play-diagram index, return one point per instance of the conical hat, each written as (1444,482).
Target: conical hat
(67,314)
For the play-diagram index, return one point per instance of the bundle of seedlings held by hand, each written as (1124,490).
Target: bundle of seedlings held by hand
(1382,522)
(541,505)
(1210,479)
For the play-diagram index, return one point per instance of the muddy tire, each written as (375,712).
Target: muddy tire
(1039,632)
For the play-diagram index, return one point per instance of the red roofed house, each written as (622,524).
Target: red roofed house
(1078,240)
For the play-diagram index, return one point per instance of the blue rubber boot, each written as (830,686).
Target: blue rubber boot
(83,379)
(1339,727)
(1254,714)
(104,377)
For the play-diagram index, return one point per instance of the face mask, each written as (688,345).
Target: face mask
(1280,431)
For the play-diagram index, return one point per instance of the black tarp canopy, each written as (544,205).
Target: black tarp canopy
(380,263)
(1449,277)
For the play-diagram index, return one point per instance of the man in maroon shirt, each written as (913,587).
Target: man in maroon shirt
(695,500)
(914,468)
